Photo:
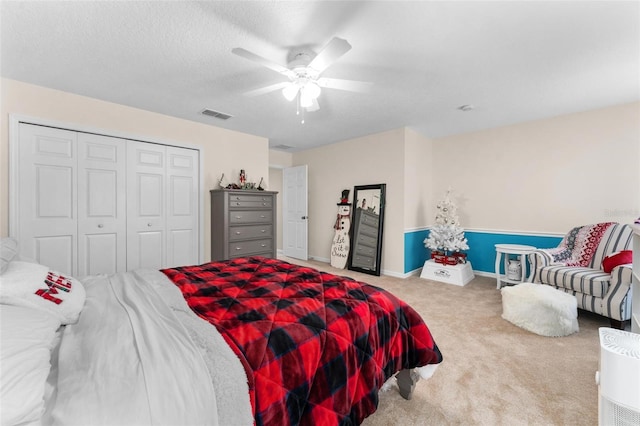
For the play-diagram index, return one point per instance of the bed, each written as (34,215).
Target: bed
(246,341)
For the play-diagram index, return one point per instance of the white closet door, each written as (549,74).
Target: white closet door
(47,222)
(101,205)
(182,207)
(146,205)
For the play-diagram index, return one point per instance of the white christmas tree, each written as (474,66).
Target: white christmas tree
(446,235)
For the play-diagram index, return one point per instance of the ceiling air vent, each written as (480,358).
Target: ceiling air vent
(216,114)
(282,147)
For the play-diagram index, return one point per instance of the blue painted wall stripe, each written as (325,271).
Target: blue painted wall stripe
(415,253)
(481,253)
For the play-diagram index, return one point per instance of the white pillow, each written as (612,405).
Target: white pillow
(8,251)
(35,286)
(26,339)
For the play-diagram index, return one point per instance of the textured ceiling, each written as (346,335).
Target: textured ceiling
(514,61)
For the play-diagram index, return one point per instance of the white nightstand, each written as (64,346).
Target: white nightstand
(506,250)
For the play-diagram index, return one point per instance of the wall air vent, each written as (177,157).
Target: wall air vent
(216,114)
(282,147)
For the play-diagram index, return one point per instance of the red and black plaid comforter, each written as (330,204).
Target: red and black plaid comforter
(316,347)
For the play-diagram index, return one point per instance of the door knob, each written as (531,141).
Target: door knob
(304,217)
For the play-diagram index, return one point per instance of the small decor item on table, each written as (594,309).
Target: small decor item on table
(341,242)
(514,270)
(221,182)
(243,178)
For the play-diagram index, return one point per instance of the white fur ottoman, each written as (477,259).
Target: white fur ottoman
(541,309)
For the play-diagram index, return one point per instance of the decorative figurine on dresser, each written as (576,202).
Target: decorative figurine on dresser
(341,243)
(243,223)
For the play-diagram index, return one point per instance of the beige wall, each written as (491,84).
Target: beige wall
(547,175)
(418,181)
(224,151)
(542,176)
(367,160)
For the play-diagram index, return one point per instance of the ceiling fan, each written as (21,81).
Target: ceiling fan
(304,72)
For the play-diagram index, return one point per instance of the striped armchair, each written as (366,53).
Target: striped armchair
(575,267)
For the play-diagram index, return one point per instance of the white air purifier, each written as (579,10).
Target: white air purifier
(618,379)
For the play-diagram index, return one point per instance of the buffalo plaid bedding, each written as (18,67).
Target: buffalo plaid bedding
(316,347)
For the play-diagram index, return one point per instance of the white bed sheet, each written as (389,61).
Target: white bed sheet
(139,355)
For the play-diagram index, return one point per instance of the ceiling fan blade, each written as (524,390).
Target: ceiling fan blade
(349,85)
(267,89)
(332,51)
(314,106)
(262,61)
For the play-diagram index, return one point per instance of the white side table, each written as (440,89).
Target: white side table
(504,251)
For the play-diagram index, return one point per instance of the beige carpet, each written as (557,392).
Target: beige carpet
(493,372)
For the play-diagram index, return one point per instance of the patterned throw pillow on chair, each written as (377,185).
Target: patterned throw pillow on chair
(616,259)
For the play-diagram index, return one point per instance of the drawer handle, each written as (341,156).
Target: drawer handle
(100,225)
(238,248)
(262,216)
(149,224)
(238,232)
(263,231)
(264,204)
(238,217)
(263,245)
(237,204)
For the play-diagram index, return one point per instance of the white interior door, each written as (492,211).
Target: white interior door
(46,197)
(146,211)
(295,213)
(183,237)
(101,205)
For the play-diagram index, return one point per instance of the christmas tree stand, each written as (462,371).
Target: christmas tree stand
(459,274)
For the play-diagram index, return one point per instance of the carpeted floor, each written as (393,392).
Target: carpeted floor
(493,372)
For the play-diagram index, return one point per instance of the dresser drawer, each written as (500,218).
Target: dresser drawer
(362,261)
(367,240)
(237,233)
(370,220)
(239,217)
(244,248)
(250,201)
(361,249)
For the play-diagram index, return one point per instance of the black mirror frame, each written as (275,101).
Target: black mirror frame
(354,225)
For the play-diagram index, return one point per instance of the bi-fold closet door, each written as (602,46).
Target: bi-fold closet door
(90,204)
(162,216)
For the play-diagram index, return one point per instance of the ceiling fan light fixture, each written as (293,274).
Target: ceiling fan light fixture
(312,90)
(305,100)
(290,92)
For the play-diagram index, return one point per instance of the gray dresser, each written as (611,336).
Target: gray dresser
(364,245)
(243,223)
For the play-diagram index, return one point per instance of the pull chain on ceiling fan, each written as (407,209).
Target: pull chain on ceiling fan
(305,84)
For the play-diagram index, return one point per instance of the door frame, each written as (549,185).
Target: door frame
(14,155)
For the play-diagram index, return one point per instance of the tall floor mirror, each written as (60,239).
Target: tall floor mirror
(366,225)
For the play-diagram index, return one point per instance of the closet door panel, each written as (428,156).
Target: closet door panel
(57,252)
(47,229)
(101,204)
(183,206)
(146,205)
(150,246)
